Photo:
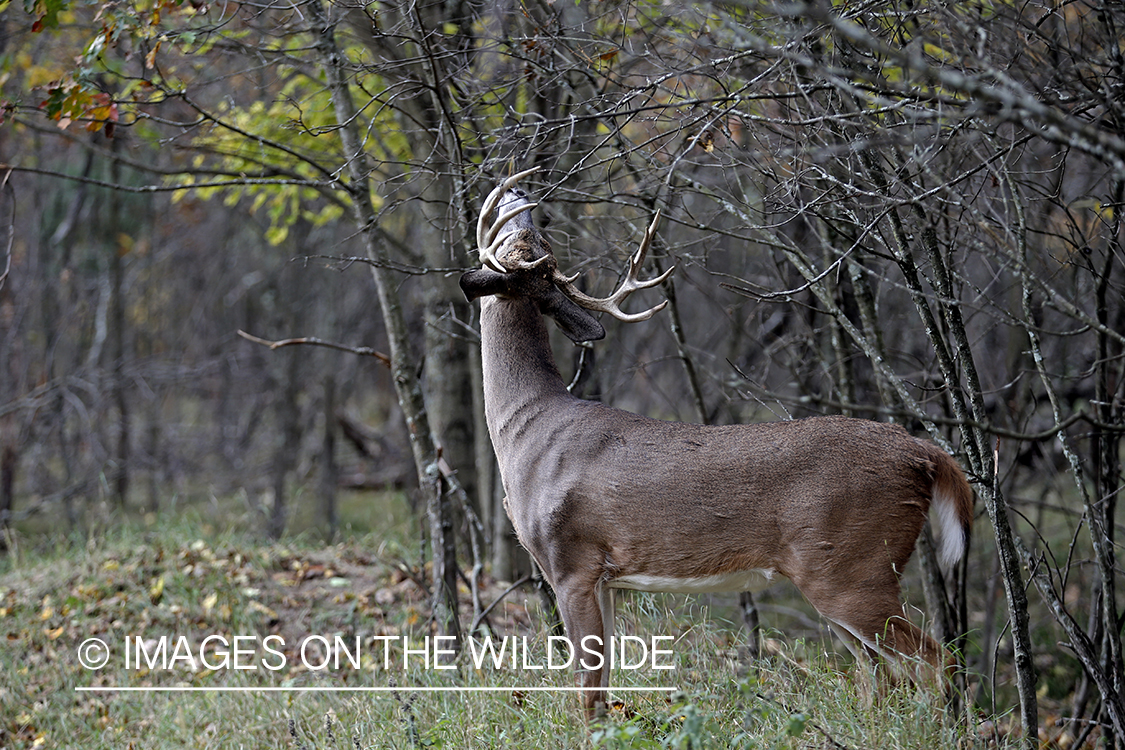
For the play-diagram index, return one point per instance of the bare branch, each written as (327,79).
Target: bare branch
(146,189)
(6,186)
(365,351)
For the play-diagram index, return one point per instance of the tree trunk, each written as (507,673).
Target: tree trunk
(117,252)
(403,369)
(329,474)
(288,414)
(449,382)
(8,458)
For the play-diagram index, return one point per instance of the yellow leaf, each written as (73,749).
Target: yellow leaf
(259,607)
(209,602)
(275,235)
(156,591)
(54,633)
(150,58)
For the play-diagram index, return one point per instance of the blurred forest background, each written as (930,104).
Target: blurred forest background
(898,210)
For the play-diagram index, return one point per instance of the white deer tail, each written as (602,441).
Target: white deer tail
(953,503)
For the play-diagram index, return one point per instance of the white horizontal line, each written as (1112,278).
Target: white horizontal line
(405,688)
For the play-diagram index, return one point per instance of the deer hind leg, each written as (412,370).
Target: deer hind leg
(874,626)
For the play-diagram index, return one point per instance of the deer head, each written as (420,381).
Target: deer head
(517,262)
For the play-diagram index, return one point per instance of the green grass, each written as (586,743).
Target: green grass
(188,578)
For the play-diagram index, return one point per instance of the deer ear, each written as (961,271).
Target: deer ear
(572,320)
(482,282)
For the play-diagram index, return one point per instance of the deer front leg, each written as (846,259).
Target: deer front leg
(586,607)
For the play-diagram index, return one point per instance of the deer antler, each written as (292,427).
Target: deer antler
(489,238)
(612,303)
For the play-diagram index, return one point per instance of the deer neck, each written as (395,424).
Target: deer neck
(522,383)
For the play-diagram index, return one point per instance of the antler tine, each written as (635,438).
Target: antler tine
(487,229)
(490,236)
(612,303)
(493,200)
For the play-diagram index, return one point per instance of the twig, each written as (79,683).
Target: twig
(476,531)
(1080,644)
(484,613)
(407,268)
(365,351)
(7,186)
(1081,415)
(267,181)
(828,738)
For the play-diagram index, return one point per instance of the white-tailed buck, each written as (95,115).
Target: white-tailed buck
(604,499)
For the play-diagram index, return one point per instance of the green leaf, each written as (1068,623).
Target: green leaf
(797,723)
(46,12)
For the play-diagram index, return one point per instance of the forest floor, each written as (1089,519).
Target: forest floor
(209,638)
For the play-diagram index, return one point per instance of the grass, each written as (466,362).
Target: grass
(188,580)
